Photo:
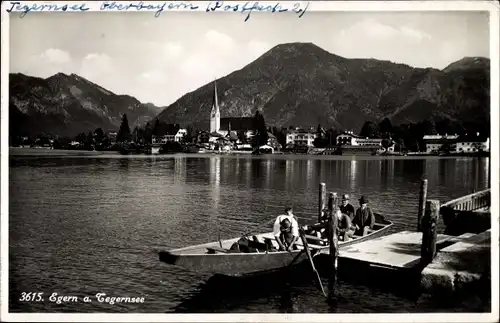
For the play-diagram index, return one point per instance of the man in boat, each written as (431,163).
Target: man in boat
(344,227)
(347,207)
(286,230)
(364,218)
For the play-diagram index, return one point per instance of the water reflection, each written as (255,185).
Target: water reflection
(113,211)
(215,181)
(237,168)
(268,174)
(353,173)
(309,169)
(275,292)
(248,170)
(290,172)
(124,163)
(322,164)
(387,173)
(179,170)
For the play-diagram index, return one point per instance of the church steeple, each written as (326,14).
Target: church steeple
(216,101)
(215,113)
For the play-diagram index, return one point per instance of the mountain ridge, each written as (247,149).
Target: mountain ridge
(291,84)
(301,83)
(68,104)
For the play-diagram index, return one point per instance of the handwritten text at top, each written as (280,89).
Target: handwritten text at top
(248,7)
(298,8)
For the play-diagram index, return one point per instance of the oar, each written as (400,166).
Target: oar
(218,237)
(218,231)
(295,259)
(308,253)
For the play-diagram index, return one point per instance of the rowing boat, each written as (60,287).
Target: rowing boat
(260,256)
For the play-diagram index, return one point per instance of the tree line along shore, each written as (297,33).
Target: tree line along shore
(406,138)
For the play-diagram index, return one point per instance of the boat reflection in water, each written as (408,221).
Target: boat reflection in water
(277,291)
(294,290)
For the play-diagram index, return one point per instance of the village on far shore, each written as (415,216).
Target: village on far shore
(249,135)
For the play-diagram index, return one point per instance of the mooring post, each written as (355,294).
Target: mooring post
(421,203)
(429,231)
(330,204)
(321,201)
(333,244)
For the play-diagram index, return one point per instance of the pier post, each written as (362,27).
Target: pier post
(421,203)
(333,244)
(429,232)
(321,201)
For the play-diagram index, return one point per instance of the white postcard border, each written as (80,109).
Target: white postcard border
(491,6)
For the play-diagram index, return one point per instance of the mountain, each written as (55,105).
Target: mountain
(302,84)
(292,84)
(69,104)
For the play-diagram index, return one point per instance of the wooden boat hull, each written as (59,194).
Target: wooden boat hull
(235,264)
(196,258)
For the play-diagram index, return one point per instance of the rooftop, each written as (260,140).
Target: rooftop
(434,137)
(477,137)
(350,133)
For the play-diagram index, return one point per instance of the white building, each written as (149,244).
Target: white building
(456,144)
(180,134)
(348,138)
(169,137)
(433,143)
(466,144)
(161,139)
(300,138)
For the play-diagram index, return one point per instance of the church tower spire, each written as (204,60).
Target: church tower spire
(215,113)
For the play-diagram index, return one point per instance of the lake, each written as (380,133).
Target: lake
(87,223)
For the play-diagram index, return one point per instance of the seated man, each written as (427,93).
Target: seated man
(364,218)
(286,230)
(344,229)
(346,207)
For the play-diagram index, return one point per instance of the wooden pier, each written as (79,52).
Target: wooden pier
(470,213)
(398,251)
(440,261)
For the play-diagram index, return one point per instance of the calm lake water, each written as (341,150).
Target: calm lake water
(93,223)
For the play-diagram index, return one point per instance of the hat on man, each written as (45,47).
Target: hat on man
(345,197)
(363,200)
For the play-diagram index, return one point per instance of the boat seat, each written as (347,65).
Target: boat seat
(315,239)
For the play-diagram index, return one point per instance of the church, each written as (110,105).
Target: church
(227,127)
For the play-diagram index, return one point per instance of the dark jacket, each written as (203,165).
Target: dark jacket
(364,218)
(348,209)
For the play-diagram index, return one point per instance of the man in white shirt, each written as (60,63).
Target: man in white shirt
(286,230)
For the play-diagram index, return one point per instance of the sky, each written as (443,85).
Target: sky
(158,60)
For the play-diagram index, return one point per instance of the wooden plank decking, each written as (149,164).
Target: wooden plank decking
(396,251)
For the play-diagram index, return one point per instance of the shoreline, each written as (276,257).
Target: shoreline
(44,152)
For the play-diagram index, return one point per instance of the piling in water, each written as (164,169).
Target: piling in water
(429,232)
(321,201)
(333,244)
(421,203)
